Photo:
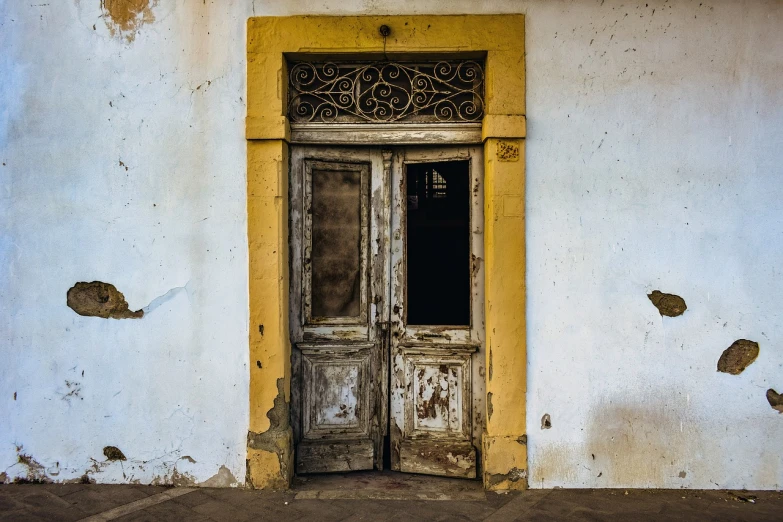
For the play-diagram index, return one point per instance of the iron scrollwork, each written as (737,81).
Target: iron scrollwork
(385,92)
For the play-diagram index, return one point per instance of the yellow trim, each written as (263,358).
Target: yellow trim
(501,39)
(503,126)
(505,451)
(275,128)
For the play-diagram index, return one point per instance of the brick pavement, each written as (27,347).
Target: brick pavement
(381,497)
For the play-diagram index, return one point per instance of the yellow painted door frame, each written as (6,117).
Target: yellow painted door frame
(502,39)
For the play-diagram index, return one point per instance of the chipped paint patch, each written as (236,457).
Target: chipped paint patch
(669,305)
(775,400)
(222,479)
(181,479)
(124,18)
(432,404)
(514,475)
(113,453)
(738,356)
(99,299)
(490,410)
(277,440)
(36,472)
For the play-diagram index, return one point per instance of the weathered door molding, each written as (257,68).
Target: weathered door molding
(386,133)
(500,38)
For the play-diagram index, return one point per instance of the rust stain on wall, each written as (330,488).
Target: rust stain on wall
(124,18)
(98,299)
(738,356)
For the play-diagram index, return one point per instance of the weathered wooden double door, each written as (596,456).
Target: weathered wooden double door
(386,317)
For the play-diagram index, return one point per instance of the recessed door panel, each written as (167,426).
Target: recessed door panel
(337,390)
(439,386)
(336,235)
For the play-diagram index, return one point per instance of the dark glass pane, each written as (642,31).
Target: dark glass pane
(336,240)
(438,243)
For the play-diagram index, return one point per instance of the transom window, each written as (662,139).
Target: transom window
(386,91)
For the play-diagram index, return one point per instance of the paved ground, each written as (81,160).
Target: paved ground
(386,496)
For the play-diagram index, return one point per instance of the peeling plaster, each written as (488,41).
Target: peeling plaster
(607,206)
(99,299)
(222,479)
(669,305)
(738,356)
(514,475)
(36,472)
(179,479)
(490,409)
(276,439)
(775,400)
(113,453)
(124,18)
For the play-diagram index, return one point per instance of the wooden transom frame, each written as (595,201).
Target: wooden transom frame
(271,41)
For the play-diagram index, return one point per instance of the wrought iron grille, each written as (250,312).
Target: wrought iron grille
(379,92)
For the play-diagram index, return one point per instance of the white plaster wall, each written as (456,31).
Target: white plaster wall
(654,157)
(78,107)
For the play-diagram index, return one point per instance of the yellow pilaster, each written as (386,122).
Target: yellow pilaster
(505,442)
(269,435)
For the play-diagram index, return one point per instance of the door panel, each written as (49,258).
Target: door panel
(338,361)
(436,383)
(337,431)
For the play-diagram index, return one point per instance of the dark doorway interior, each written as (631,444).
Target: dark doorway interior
(438,243)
